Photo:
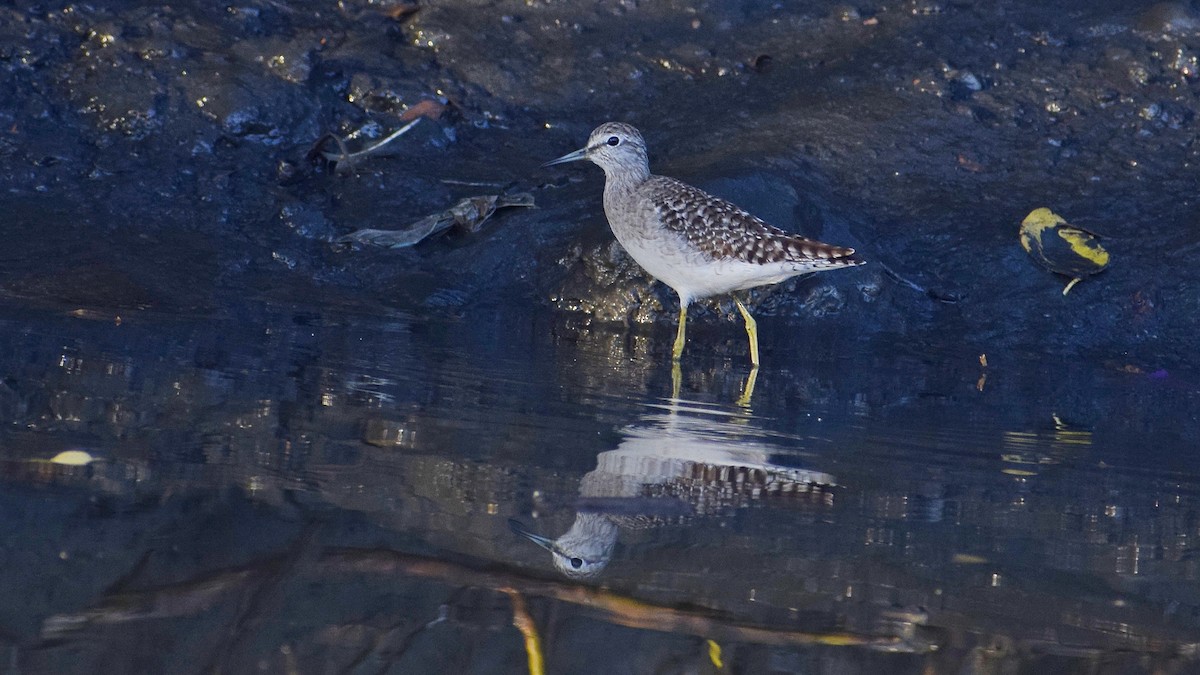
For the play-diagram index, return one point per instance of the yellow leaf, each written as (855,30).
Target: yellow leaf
(714,654)
(1061,247)
(72,458)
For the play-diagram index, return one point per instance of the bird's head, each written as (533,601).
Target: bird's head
(584,551)
(616,147)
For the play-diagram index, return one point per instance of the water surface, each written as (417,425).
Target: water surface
(298,490)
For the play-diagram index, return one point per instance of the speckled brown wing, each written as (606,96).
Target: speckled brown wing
(726,232)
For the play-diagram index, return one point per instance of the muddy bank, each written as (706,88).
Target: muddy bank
(156,156)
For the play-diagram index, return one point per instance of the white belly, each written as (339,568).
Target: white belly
(694,275)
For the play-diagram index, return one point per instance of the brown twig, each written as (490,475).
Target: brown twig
(618,609)
(525,624)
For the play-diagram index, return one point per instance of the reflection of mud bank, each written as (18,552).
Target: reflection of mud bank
(974,514)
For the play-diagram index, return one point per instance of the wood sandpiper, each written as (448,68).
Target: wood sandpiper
(696,243)
(673,468)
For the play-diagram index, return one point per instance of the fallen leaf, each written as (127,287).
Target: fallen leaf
(424,108)
(1062,248)
(467,215)
(967,164)
(401,10)
(72,458)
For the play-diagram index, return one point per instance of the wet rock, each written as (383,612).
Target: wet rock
(1169,18)
(379,94)
(285,58)
(307,222)
(966,82)
(604,283)
(1183,60)
(824,301)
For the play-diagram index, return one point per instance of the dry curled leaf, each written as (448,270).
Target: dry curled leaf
(425,108)
(467,215)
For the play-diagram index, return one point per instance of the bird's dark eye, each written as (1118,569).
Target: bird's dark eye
(613,140)
(578,562)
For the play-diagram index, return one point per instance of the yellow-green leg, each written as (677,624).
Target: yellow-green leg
(748,390)
(677,351)
(751,330)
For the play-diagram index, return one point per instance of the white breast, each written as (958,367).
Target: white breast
(694,275)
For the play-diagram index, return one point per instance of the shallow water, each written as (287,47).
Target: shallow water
(294,490)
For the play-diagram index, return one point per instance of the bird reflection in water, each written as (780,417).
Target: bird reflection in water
(743,400)
(690,462)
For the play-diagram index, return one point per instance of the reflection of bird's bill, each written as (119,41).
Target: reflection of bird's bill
(583,551)
(569,157)
(544,542)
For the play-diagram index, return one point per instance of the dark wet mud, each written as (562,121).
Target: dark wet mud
(301,453)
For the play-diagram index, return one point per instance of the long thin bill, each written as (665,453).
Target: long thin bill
(518,528)
(569,157)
